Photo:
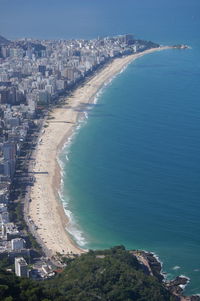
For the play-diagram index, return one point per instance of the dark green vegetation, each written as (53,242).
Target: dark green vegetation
(113,275)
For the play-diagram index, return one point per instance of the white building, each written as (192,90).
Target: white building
(3,232)
(21,267)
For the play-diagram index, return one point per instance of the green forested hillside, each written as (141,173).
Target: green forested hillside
(98,275)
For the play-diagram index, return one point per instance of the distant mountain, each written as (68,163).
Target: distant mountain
(4,41)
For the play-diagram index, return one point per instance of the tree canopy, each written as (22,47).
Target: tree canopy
(109,275)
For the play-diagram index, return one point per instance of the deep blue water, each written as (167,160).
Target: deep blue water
(133,174)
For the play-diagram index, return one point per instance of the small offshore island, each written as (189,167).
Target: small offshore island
(44,88)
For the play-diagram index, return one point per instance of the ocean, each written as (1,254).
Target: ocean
(131,170)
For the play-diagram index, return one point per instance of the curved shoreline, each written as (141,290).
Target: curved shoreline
(46,210)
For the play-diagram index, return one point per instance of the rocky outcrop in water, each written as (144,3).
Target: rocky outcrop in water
(152,266)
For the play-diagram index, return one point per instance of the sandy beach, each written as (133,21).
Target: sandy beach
(46,210)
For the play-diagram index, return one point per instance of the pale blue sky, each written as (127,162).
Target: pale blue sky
(89,18)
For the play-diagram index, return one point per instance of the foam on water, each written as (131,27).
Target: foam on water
(183,286)
(176,267)
(73,227)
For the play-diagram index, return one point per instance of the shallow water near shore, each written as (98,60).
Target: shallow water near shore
(131,175)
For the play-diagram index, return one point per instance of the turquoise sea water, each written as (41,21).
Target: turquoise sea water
(132,169)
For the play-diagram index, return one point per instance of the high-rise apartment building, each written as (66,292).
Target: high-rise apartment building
(21,267)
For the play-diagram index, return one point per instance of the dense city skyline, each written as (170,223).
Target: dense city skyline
(35,76)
